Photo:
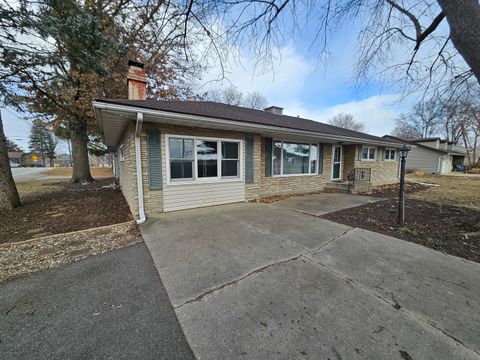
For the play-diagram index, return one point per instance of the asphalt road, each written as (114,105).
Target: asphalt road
(111,306)
(25,174)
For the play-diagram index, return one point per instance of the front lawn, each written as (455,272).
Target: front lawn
(454,190)
(445,217)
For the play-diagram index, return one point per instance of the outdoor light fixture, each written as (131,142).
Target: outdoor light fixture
(401,195)
(404,151)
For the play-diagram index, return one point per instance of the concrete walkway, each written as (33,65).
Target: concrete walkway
(256,281)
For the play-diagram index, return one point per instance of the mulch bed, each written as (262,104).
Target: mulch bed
(453,230)
(391,191)
(19,259)
(73,207)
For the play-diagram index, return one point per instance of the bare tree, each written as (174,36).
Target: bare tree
(232,96)
(468,115)
(346,121)
(255,100)
(422,122)
(401,41)
(405,131)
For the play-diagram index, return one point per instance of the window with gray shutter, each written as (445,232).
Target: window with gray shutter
(154,157)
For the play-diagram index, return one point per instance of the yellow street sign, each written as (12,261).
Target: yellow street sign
(34,157)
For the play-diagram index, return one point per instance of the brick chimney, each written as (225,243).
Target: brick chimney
(277,110)
(136,81)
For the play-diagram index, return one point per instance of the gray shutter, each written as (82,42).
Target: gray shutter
(249,160)
(320,158)
(360,147)
(154,155)
(268,156)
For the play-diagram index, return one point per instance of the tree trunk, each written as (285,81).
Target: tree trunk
(79,139)
(463,16)
(9,198)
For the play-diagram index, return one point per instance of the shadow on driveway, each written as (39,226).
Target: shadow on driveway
(111,306)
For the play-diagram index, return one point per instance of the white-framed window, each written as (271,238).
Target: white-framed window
(194,159)
(390,154)
(368,153)
(121,153)
(293,158)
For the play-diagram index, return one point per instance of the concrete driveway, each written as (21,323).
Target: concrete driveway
(257,281)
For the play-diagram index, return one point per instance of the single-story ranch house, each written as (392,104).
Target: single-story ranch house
(173,155)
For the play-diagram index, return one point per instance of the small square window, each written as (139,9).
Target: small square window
(390,154)
(368,153)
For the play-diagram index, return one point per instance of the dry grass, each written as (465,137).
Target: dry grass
(454,190)
(67,171)
(36,187)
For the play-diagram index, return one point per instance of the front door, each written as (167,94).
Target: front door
(337,162)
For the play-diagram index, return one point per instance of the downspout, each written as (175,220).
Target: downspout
(138,161)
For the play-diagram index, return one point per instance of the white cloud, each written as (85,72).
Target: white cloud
(289,75)
(376,112)
(293,74)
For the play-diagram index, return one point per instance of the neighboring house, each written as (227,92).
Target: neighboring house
(172,155)
(433,155)
(15,157)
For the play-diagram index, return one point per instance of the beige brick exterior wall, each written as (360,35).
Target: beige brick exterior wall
(128,172)
(383,172)
(264,186)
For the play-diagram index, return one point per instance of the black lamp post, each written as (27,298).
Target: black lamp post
(401,196)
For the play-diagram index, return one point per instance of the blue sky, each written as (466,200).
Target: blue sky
(300,82)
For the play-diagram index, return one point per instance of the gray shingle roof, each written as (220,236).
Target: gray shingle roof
(237,113)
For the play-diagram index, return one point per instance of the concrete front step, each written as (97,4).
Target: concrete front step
(338,186)
(343,187)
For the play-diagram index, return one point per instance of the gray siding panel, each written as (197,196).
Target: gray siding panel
(423,160)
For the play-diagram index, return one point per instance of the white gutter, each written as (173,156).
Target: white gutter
(247,126)
(138,161)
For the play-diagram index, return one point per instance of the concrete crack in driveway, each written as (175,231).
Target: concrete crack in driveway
(413,315)
(336,237)
(233,282)
(261,269)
